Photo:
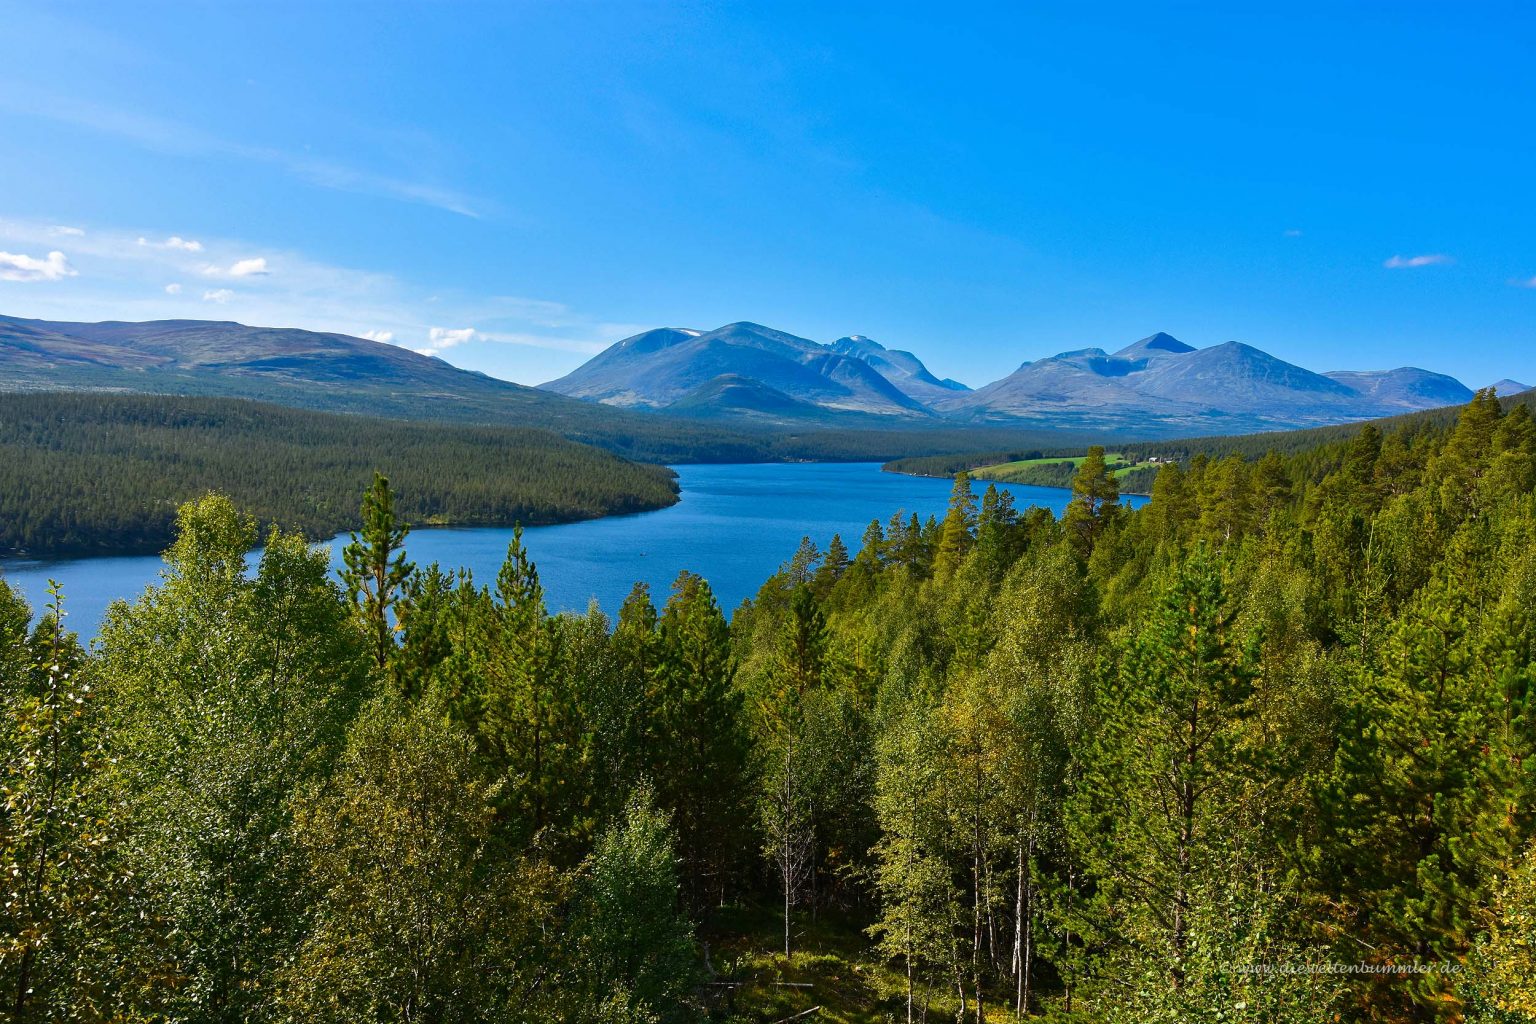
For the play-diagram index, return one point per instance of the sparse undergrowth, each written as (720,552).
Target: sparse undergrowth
(833,973)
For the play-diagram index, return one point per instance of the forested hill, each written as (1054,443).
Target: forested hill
(98,474)
(1261,751)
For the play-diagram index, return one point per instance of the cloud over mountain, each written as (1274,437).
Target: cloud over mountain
(16,266)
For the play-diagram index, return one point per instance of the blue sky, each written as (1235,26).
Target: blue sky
(516,185)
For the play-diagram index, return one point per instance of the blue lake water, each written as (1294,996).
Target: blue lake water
(735,525)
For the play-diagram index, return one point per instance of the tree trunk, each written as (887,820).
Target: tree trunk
(1186,840)
(976,908)
(1066,947)
(1018,927)
(1029,925)
(909,983)
(786,843)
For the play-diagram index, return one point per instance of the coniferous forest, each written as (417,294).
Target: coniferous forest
(96,474)
(1261,750)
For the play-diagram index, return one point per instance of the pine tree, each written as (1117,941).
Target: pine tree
(376,568)
(628,722)
(1161,797)
(1094,499)
(1429,786)
(1459,467)
(1271,487)
(872,548)
(833,566)
(522,710)
(1225,510)
(998,536)
(957,533)
(801,568)
(702,747)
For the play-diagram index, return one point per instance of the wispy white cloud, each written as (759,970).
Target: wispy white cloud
(544,341)
(168,136)
(67,231)
(174,242)
(1427,260)
(440,338)
(16,266)
(1292,232)
(255,266)
(1529,282)
(251,266)
(516,337)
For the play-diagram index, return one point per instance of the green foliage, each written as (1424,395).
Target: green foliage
(57,890)
(1171,764)
(635,942)
(701,753)
(1501,988)
(1160,814)
(227,693)
(419,914)
(958,531)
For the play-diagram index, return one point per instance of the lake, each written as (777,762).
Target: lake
(735,525)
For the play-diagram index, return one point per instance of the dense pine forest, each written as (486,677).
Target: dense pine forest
(92,474)
(1261,750)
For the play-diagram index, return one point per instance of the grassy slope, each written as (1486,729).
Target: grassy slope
(1022,471)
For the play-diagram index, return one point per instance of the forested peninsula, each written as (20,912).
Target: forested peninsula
(84,473)
(1261,750)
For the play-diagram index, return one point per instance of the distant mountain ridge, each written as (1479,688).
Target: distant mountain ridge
(676,393)
(1509,387)
(327,372)
(672,365)
(1157,384)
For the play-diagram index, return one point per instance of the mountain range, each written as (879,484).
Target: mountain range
(681,393)
(1156,385)
(338,373)
(326,372)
